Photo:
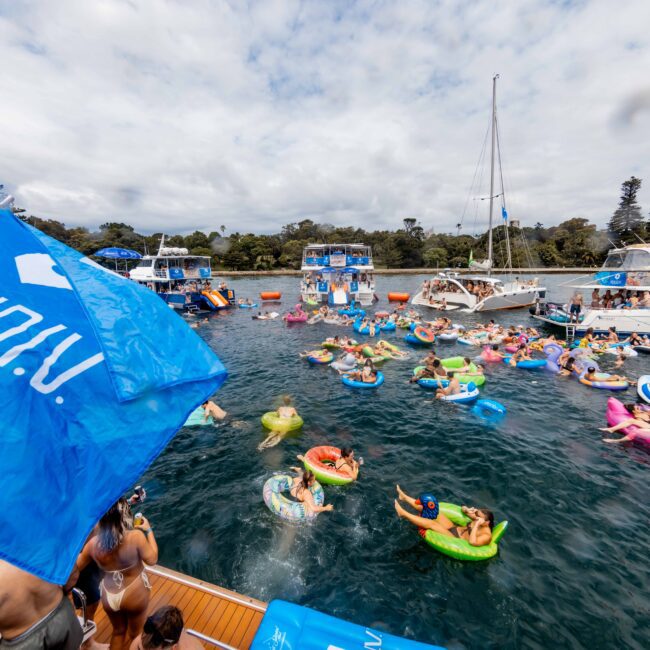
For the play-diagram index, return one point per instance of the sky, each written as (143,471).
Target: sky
(192,114)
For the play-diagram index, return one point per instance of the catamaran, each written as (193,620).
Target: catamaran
(182,280)
(625,304)
(482,292)
(337,274)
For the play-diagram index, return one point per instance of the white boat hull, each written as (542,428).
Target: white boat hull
(505,300)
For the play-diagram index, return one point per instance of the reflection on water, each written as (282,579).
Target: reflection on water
(572,571)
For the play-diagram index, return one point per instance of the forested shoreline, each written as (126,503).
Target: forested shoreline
(573,243)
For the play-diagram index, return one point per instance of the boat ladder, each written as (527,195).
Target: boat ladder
(570,333)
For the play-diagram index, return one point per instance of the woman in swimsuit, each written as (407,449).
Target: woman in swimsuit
(347,465)
(122,553)
(520,355)
(300,492)
(286,411)
(478,532)
(638,418)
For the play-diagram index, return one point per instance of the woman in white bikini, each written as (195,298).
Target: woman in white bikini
(122,554)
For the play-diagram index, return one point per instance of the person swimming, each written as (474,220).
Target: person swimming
(211,409)
(478,532)
(301,492)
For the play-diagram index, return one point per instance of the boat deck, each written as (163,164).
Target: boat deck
(218,617)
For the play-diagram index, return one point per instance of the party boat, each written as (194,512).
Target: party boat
(337,274)
(483,292)
(624,278)
(182,280)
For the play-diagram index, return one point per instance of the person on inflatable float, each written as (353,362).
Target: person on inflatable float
(368,375)
(591,375)
(477,533)
(286,411)
(347,465)
(520,355)
(300,491)
(452,389)
(638,418)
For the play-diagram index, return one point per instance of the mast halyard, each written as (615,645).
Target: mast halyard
(494,108)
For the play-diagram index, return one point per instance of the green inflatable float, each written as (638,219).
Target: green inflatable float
(461,549)
(452,363)
(274,422)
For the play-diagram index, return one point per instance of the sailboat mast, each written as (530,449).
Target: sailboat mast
(494,112)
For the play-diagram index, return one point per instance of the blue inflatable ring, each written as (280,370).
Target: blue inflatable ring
(360,384)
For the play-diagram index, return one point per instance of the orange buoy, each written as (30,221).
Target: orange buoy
(270,295)
(398,297)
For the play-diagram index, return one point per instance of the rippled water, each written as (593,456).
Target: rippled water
(572,569)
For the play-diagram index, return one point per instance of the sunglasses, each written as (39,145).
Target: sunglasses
(156,637)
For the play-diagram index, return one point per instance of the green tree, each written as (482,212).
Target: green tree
(435,257)
(627,219)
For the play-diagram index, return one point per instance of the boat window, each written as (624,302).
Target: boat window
(613,261)
(637,259)
(143,264)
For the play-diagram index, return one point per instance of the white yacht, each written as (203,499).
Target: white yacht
(182,280)
(482,292)
(611,296)
(337,274)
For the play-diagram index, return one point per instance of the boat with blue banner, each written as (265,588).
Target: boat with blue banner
(616,296)
(338,274)
(182,280)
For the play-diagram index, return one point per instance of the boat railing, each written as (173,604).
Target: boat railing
(161,273)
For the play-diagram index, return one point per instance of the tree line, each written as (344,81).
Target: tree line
(574,242)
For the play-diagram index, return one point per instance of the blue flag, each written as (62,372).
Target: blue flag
(504,214)
(96,376)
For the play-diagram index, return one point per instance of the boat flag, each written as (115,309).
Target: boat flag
(471,258)
(504,214)
(97,374)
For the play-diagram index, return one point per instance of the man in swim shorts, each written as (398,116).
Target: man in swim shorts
(35,614)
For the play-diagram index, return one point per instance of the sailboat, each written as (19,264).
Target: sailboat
(482,291)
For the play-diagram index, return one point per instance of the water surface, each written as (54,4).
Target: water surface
(572,569)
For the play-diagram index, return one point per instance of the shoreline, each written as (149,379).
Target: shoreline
(519,271)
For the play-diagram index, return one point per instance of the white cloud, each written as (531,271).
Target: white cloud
(197,113)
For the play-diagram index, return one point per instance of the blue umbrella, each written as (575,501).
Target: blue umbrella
(118,254)
(91,392)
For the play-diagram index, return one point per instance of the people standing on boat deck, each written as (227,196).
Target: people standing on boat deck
(211,409)
(122,553)
(575,307)
(164,629)
(222,285)
(595,299)
(35,614)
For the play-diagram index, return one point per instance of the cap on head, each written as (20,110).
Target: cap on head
(429,505)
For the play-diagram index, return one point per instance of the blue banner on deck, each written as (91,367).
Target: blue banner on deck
(611,278)
(96,376)
(176,273)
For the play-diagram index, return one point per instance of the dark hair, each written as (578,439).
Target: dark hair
(307,476)
(591,369)
(495,347)
(346,451)
(163,628)
(569,363)
(436,363)
(467,360)
(112,526)
(591,329)
(522,346)
(630,406)
(489,517)
(204,403)
(450,373)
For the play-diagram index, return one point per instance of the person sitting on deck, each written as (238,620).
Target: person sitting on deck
(34,613)
(211,409)
(164,630)
(478,532)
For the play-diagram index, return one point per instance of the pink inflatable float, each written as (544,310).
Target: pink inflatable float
(490,356)
(616,413)
(297,315)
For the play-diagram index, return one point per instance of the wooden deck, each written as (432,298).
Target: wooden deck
(219,618)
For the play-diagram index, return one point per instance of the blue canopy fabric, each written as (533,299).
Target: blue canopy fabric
(118,254)
(97,374)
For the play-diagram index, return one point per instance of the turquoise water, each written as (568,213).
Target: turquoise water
(572,569)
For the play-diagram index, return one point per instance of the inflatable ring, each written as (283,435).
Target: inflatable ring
(424,335)
(528,364)
(643,387)
(323,357)
(278,504)
(272,421)
(461,549)
(449,337)
(451,363)
(489,410)
(605,385)
(468,393)
(409,338)
(388,327)
(245,306)
(362,384)
(321,461)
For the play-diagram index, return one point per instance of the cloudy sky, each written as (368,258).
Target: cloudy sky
(190,114)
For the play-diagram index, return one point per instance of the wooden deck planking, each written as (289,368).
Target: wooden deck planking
(223,615)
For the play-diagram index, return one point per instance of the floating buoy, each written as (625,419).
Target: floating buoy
(398,297)
(270,295)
